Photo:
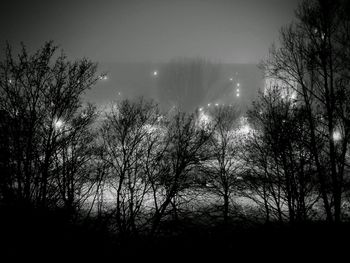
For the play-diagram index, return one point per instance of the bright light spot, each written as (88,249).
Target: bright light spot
(58,124)
(237,95)
(293,96)
(103,77)
(231,79)
(150,128)
(200,109)
(245,129)
(209,104)
(238,84)
(336,136)
(216,104)
(237,90)
(244,126)
(155,73)
(10,81)
(203,119)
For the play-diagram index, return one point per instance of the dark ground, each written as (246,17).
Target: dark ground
(34,234)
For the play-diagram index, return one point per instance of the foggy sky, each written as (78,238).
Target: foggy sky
(230,31)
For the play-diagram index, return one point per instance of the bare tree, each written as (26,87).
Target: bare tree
(186,149)
(40,94)
(124,132)
(280,169)
(223,169)
(312,61)
(74,167)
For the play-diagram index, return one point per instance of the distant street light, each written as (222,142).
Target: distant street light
(155,73)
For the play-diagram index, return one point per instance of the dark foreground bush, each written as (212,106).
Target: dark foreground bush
(28,233)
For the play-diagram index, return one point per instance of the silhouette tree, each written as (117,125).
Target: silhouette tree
(186,149)
(124,134)
(39,103)
(223,169)
(280,173)
(312,60)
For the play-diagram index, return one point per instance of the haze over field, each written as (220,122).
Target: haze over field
(130,39)
(128,80)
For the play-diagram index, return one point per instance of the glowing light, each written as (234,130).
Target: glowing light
(237,95)
(203,119)
(155,73)
(244,127)
(150,128)
(238,84)
(336,136)
(287,91)
(231,79)
(209,104)
(58,124)
(103,77)
(216,104)
(10,81)
(200,109)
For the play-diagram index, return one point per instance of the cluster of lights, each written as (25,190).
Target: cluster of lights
(216,105)
(237,86)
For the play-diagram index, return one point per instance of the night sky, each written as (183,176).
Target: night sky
(230,31)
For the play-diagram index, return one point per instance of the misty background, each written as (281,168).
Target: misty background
(130,39)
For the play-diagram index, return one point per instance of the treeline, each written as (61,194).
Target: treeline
(135,168)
